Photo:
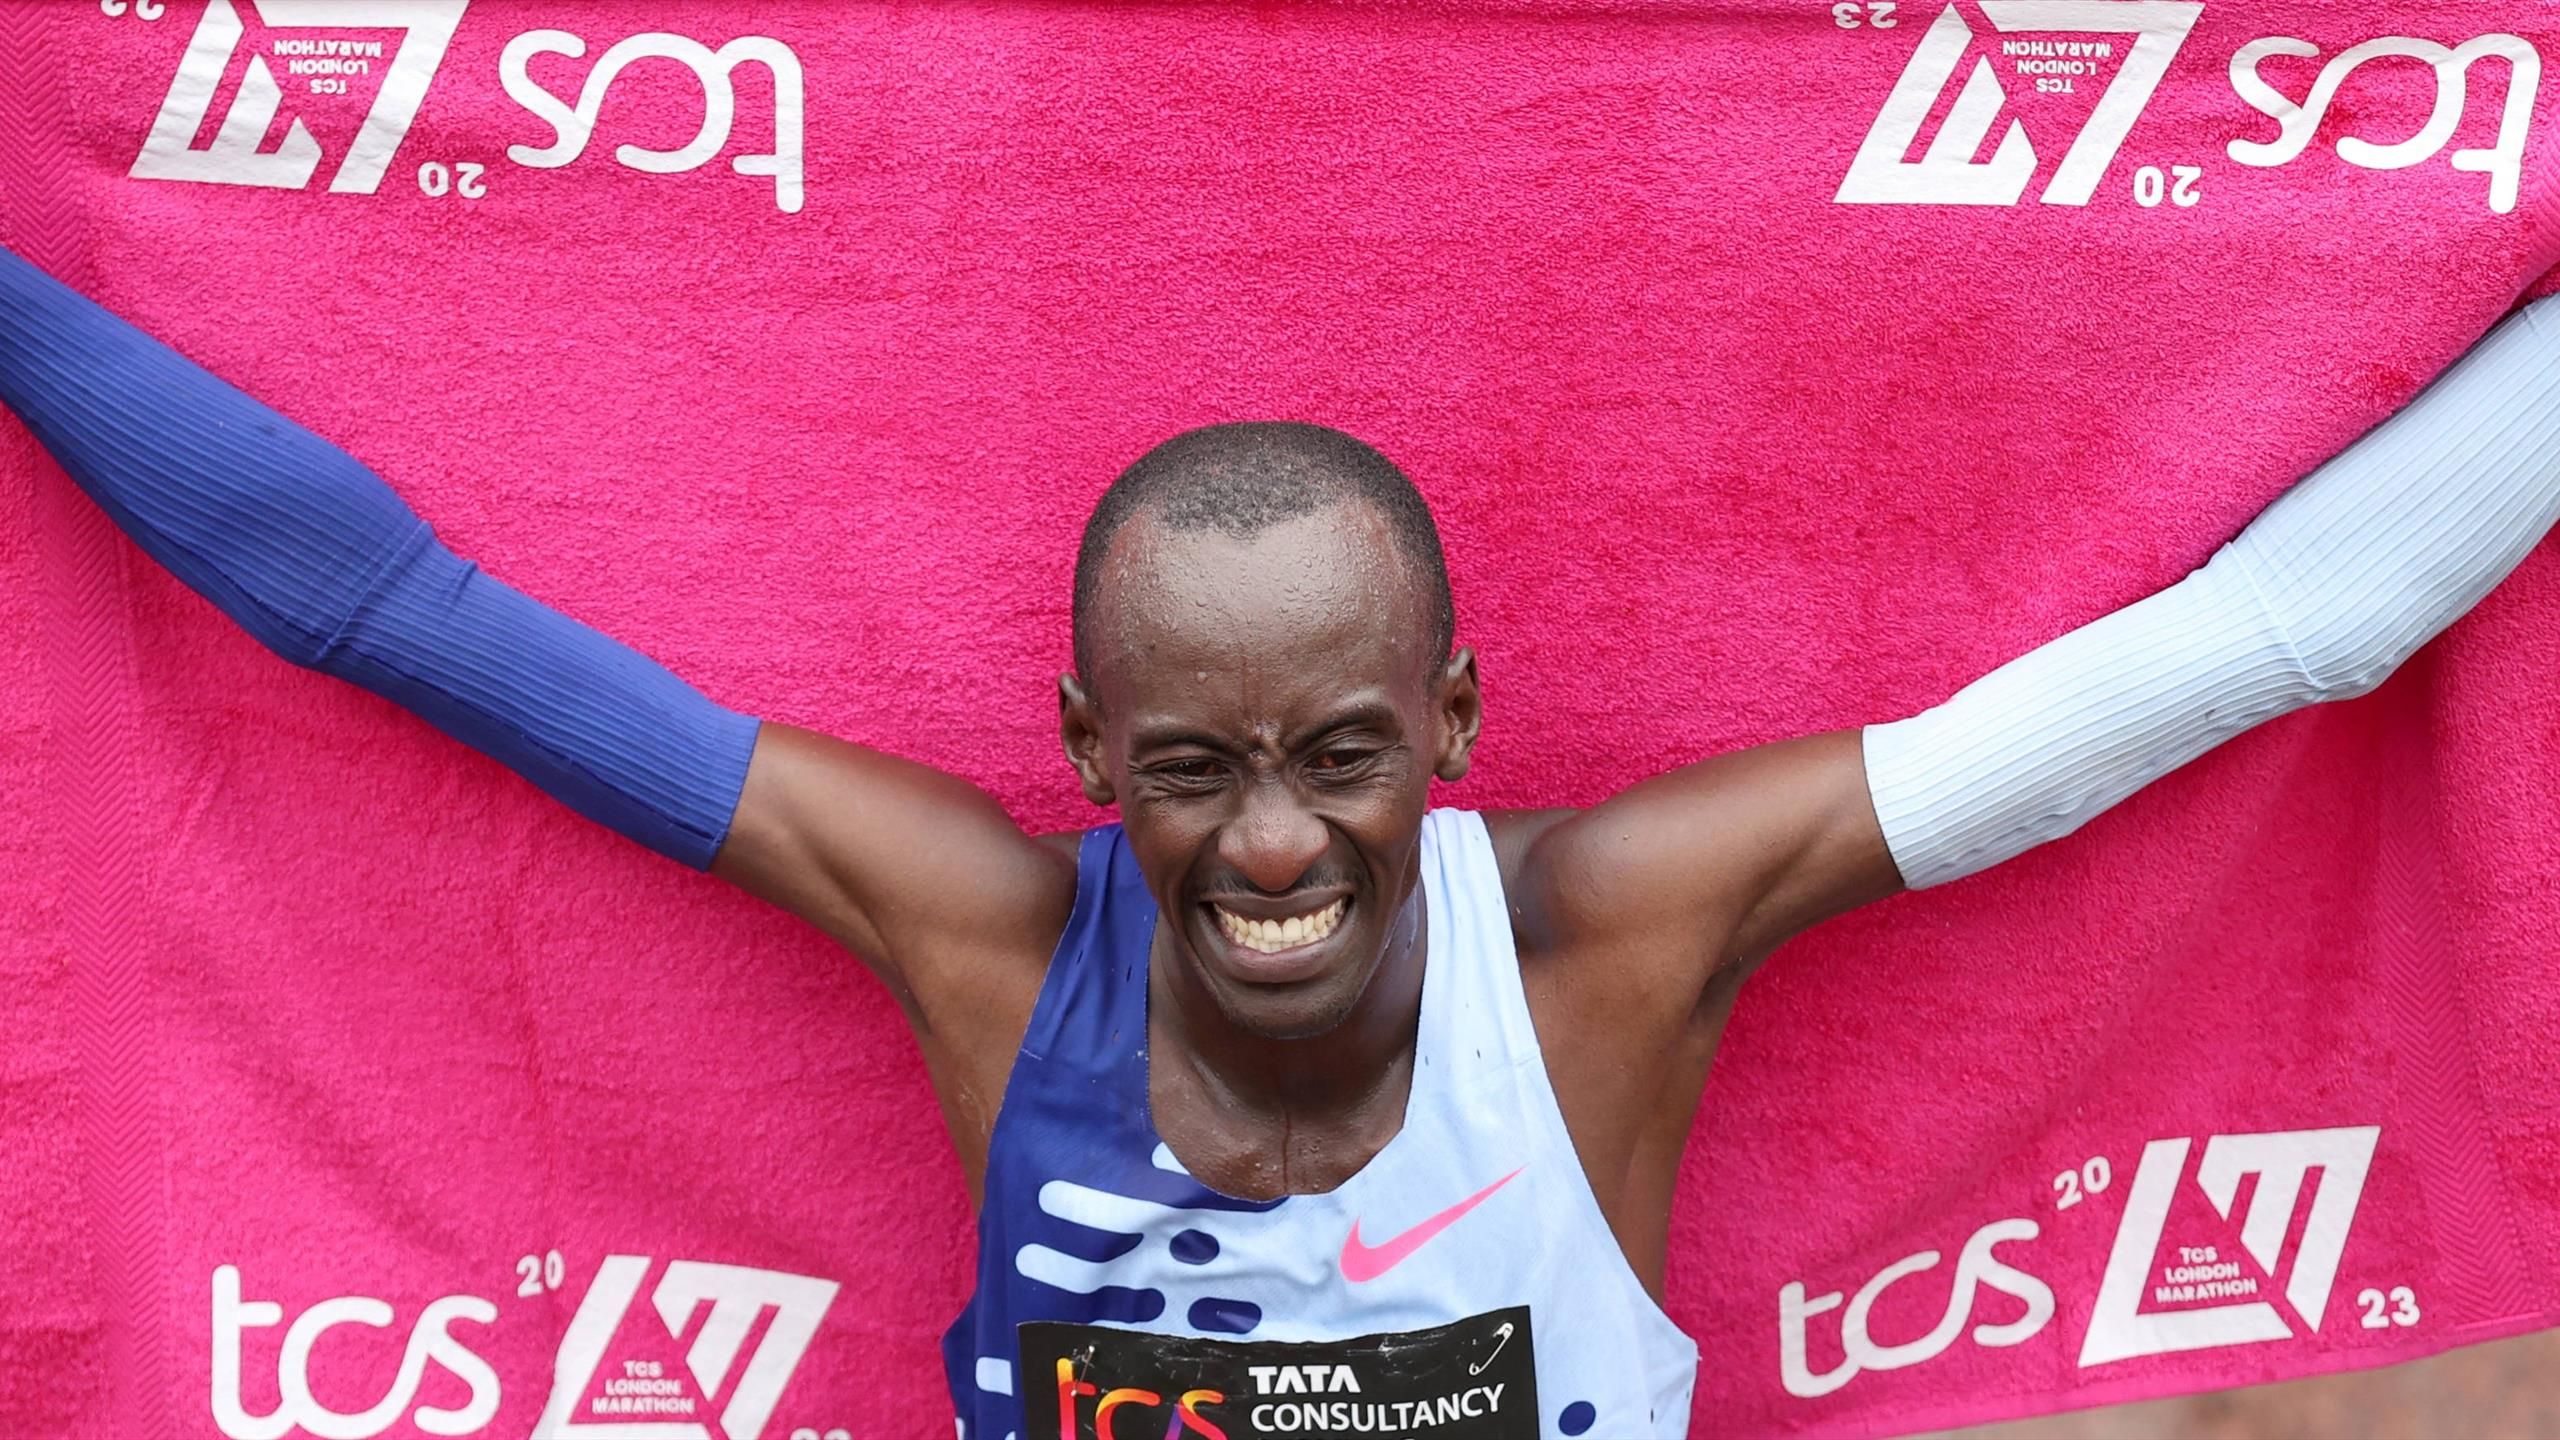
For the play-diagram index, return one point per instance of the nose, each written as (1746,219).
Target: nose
(1273,839)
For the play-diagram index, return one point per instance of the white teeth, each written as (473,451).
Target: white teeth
(1270,936)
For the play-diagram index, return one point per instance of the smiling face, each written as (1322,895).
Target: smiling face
(1268,711)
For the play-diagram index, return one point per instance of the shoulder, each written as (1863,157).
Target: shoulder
(1516,834)
(1554,876)
(1591,884)
(1066,843)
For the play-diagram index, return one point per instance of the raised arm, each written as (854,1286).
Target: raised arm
(2323,595)
(325,565)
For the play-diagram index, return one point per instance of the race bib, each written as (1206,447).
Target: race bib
(1476,1378)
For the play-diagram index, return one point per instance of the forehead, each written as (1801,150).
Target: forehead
(1309,608)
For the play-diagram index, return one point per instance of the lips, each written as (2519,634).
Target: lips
(1278,949)
(1274,936)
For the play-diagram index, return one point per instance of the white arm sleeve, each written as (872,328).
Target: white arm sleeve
(2320,598)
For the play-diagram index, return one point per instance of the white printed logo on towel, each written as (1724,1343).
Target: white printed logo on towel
(299,1412)
(2174,1279)
(573,125)
(1976,1267)
(321,69)
(2503,162)
(2140,39)
(170,153)
(601,1389)
(643,1403)
(1883,174)
(2233,1311)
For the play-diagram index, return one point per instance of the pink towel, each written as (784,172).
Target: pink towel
(1773,367)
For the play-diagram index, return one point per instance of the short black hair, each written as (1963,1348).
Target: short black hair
(1243,478)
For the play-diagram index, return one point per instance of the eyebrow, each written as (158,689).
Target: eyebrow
(1360,715)
(1364,715)
(1165,737)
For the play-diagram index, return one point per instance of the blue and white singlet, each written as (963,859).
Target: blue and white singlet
(1463,1284)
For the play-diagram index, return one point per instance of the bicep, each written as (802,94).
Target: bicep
(1719,861)
(1820,850)
(894,859)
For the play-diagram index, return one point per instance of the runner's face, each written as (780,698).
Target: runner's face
(1269,721)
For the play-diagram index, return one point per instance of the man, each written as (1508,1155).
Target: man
(1288,1070)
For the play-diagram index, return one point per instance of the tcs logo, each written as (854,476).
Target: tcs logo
(1187,1419)
(431,1342)
(2140,39)
(1976,1266)
(2503,162)
(636,1399)
(426,29)
(2292,1194)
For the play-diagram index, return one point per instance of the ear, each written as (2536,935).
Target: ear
(1461,713)
(1080,730)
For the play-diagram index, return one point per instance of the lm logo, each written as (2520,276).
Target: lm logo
(2219,1300)
(425,30)
(737,1298)
(2119,1330)
(1949,173)
(169,153)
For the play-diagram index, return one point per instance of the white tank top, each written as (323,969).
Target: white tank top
(1466,1258)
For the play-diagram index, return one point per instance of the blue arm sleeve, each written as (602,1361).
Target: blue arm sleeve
(321,561)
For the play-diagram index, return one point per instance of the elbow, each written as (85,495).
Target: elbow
(2346,651)
(2348,682)
(291,629)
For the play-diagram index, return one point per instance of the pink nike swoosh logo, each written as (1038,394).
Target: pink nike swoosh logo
(1368,1262)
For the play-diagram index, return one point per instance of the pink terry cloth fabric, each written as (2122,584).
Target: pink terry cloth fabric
(1773,367)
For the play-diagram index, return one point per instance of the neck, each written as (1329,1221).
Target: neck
(1338,1072)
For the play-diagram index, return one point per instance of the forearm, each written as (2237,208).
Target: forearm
(325,565)
(280,529)
(2320,598)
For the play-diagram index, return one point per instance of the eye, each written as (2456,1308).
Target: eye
(1194,771)
(1337,760)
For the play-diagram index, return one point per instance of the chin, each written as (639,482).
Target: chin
(1299,1007)
(1275,1018)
